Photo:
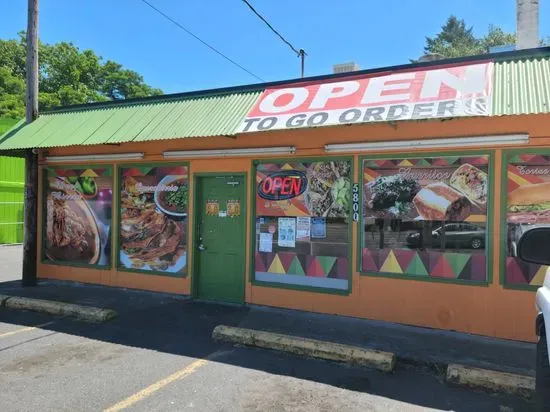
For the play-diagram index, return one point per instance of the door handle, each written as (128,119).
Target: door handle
(201,246)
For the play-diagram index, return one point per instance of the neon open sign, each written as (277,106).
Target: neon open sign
(282,185)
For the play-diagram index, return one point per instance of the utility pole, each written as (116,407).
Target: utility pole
(302,55)
(31,158)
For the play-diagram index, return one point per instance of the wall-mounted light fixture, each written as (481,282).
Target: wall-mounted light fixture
(95,157)
(255,151)
(453,142)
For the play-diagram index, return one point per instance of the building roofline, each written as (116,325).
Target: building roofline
(255,87)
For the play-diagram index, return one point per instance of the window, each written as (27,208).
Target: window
(153,218)
(77,215)
(426,217)
(527,206)
(303,223)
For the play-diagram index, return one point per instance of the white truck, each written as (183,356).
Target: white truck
(534,247)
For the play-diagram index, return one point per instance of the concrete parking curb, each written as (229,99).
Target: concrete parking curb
(354,355)
(490,380)
(87,313)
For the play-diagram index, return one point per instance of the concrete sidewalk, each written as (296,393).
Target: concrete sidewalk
(421,346)
(119,299)
(410,344)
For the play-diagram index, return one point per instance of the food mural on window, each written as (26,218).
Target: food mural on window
(528,206)
(78,205)
(302,212)
(426,217)
(153,218)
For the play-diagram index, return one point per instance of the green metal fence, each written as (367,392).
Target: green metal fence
(12,177)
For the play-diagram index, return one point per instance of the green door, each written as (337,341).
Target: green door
(220,238)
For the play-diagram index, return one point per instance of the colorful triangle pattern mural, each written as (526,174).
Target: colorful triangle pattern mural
(135,171)
(519,272)
(427,161)
(437,264)
(95,172)
(286,263)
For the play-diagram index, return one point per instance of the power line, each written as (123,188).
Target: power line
(202,41)
(301,53)
(298,52)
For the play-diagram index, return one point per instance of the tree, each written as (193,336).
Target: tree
(117,83)
(12,94)
(457,40)
(67,76)
(454,40)
(496,37)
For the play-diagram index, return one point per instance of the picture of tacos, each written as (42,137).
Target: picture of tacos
(152,223)
(328,189)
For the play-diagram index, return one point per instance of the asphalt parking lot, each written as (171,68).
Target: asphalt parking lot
(158,355)
(11,262)
(163,359)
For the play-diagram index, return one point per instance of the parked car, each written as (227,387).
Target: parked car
(534,247)
(452,235)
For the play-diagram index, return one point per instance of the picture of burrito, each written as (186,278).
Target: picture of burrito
(439,201)
(472,182)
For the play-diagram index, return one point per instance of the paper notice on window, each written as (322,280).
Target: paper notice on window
(266,242)
(287,232)
(303,228)
(318,228)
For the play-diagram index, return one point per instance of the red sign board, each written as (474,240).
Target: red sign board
(447,91)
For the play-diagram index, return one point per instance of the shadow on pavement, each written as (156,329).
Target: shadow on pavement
(175,325)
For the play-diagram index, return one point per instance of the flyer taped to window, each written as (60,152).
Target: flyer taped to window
(287,232)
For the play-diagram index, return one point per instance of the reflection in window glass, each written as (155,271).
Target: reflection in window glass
(426,217)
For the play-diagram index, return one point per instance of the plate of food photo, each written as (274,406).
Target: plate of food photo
(172,202)
(150,237)
(72,233)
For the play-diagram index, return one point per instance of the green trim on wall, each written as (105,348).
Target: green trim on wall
(315,289)
(118,182)
(44,177)
(244,192)
(506,155)
(489,247)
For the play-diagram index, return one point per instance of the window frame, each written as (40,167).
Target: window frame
(117,245)
(490,222)
(112,233)
(506,155)
(253,193)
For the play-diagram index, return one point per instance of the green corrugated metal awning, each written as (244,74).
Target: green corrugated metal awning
(521,86)
(201,116)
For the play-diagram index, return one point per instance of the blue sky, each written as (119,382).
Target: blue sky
(371,33)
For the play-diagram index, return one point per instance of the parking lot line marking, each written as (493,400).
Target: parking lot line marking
(27,329)
(188,370)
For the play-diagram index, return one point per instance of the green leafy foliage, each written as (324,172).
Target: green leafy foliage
(6,124)
(456,39)
(67,75)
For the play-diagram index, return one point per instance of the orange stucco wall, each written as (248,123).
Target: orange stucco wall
(487,310)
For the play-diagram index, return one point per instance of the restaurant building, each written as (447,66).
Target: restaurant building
(395,194)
